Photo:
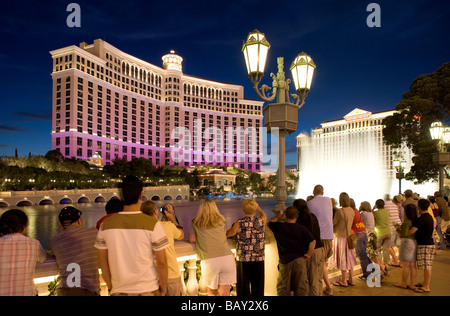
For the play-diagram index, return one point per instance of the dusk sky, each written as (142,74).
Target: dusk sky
(357,66)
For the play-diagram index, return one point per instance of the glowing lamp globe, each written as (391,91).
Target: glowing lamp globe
(436,130)
(255,51)
(302,70)
(446,135)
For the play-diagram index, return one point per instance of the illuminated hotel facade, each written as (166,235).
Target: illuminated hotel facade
(333,135)
(350,155)
(112,104)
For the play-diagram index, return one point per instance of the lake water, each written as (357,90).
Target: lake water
(44,223)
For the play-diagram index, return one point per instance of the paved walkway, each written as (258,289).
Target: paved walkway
(440,281)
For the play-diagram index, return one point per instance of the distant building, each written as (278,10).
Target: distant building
(217,178)
(332,136)
(349,154)
(112,103)
(96,160)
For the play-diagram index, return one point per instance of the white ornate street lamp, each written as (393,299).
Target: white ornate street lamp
(281,116)
(442,158)
(399,165)
(255,53)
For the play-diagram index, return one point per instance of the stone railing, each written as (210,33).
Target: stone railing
(47,271)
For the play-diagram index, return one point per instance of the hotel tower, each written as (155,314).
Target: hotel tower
(109,104)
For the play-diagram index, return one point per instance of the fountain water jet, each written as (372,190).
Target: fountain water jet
(349,162)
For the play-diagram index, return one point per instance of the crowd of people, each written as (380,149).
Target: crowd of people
(133,245)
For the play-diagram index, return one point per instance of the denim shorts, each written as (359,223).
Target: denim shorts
(408,249)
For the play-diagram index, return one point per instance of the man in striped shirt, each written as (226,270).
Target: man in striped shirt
(394,218)
(76,256)
(129,243)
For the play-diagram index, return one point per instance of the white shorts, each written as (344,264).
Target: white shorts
(219,271)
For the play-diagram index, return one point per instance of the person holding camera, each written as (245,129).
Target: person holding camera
(173,231)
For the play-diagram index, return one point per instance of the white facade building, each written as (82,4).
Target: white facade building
(349,155)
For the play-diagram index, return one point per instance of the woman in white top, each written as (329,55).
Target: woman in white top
(208,231)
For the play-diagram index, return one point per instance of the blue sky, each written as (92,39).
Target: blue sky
(357,66)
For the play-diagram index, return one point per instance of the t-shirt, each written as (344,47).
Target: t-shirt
(131,238)
(172,233)
(322,207)
(293,240)
(100,221)
(312,224)
(19,256)
(394,216)
(211,242)
(382,224)
(425,226)
(358,224)
(75,244)
(251,240)
(404,229)
(369,222)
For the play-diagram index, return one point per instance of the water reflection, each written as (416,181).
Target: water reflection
(44,218)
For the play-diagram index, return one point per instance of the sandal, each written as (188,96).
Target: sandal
(421,290)
(350,283)
(401,286)
(339,284)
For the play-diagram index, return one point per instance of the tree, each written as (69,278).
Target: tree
(54,155)
(427,101)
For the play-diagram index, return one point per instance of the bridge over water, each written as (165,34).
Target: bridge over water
(51,197)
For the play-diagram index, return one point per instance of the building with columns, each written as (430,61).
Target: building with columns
(113,105)
(356,128)
(349,154)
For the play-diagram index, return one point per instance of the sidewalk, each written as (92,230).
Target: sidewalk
(440,281)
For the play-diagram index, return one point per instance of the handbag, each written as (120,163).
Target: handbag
(351,239)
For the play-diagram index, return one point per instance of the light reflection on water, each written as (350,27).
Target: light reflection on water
(43,219)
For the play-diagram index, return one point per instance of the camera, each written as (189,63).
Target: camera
(163,209)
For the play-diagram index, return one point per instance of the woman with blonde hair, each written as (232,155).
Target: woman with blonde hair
(218,266)
(343,257)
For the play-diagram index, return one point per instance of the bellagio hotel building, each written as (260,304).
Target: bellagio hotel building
(109,103)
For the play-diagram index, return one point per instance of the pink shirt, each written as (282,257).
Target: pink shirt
(18,258)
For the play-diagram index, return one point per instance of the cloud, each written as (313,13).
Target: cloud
(5,128)
(47,116)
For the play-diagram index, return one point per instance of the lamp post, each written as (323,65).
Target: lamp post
(399,165)
(442,158)
(281,116)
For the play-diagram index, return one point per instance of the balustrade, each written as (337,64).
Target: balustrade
(187,258)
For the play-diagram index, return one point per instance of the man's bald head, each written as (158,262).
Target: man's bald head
(318,190)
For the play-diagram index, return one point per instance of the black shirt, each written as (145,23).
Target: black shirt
(425,226)
(311,222)
(293,240)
